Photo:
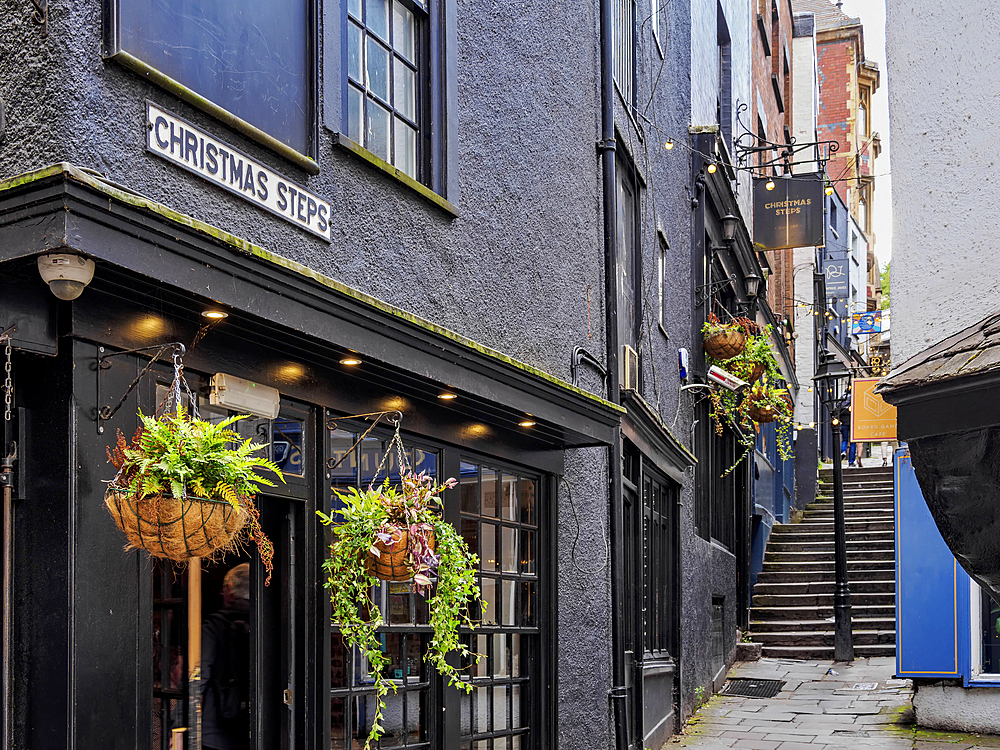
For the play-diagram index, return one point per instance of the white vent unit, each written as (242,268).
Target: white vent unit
(630,368)
(244,396)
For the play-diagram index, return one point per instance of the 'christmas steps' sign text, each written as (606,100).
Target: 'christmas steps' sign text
(180,142)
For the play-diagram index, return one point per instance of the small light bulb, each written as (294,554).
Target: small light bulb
(829,190)
(668,145)
(835,421)
(712,168)
(769,185)
(812,424)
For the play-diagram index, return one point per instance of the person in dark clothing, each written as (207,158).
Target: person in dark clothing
(225,667)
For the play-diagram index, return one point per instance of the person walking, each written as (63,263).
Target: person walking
(225,667)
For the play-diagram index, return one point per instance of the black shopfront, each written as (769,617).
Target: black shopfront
(98,637)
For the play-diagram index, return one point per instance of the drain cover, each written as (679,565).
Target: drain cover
(750,688)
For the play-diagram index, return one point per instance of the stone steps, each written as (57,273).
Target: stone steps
(792,612)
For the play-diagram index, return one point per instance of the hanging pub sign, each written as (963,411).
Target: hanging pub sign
(178,141)
(867,322)
(790,214)
(838,280)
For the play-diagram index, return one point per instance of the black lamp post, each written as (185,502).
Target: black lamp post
(832,379)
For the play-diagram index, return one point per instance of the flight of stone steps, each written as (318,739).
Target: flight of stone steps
(792,613)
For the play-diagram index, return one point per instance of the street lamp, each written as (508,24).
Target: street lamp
(832,381)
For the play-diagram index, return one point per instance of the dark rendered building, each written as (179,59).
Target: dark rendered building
(386,205)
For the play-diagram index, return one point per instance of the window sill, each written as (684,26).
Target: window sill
(422,190)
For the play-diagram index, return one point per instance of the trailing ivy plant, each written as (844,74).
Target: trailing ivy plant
(446,574)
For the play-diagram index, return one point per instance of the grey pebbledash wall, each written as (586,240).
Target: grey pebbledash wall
(942,66)
(519,270)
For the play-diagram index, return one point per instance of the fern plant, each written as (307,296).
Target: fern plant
(186,459)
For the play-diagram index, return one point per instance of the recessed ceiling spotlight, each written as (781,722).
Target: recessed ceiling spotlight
(214,314)
(350,361)
(447,396)
(527,423)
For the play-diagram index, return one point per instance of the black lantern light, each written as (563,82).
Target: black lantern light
(832,381)
(730,224)
(752,282)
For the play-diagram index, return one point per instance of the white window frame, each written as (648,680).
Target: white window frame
(976,641)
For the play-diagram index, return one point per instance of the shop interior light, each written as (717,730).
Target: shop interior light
(350,361)
(214,314)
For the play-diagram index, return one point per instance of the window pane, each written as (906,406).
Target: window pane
(405,90)
(470,533)
(378,69)
(515,655)
(469,487)
(528,604)
(378,17)
(402,31)
(338,722)
(501,656)
(489,492)
(354,8)
(481,710)
(378,143)
(482,669)
(488,543)
(527,551)
(286,444)
(508,550)
(355,125)
(528,502)
(509,602)
(354,64)
(406,149)
(489,601)
(500,708)
(516,706)
(508,508)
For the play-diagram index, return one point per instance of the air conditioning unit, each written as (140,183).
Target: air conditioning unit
(630,368)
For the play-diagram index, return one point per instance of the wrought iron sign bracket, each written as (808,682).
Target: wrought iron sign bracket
(705,292)
(104,412)
(40,15)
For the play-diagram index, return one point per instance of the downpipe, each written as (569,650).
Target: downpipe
(618,696)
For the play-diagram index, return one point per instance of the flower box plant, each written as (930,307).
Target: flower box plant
(185,488)
(402,524)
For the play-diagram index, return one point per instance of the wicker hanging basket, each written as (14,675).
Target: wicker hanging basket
(391,565)
(177,529)
(761,415)
(758,370)
(725,344)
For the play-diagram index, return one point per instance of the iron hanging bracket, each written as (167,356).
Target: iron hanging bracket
(104,413)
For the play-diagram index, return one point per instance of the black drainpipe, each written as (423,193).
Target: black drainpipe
(618,695)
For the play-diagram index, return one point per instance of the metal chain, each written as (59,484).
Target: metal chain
(8,384)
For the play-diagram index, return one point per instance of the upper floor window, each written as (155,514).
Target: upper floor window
(659,21)
(385,78)
(629,263)
(624,49)
(251,62)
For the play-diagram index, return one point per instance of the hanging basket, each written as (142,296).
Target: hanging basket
(177,529)
(391,565)
(760,415)
(725,344)
(758,370)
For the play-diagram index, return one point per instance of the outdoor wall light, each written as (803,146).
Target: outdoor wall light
(752,282)
(66,274)
(215,314)
(730,224)
(350,361)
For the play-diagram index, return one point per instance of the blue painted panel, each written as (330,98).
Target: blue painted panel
(932,599)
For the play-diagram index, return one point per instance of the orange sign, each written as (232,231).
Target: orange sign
(872,419)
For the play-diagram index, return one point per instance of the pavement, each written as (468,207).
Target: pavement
(822,706)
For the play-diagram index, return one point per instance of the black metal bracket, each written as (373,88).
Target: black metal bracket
(104,413)
(40,15)
(607,144)
(705,292)
(582,356)
(749,144)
